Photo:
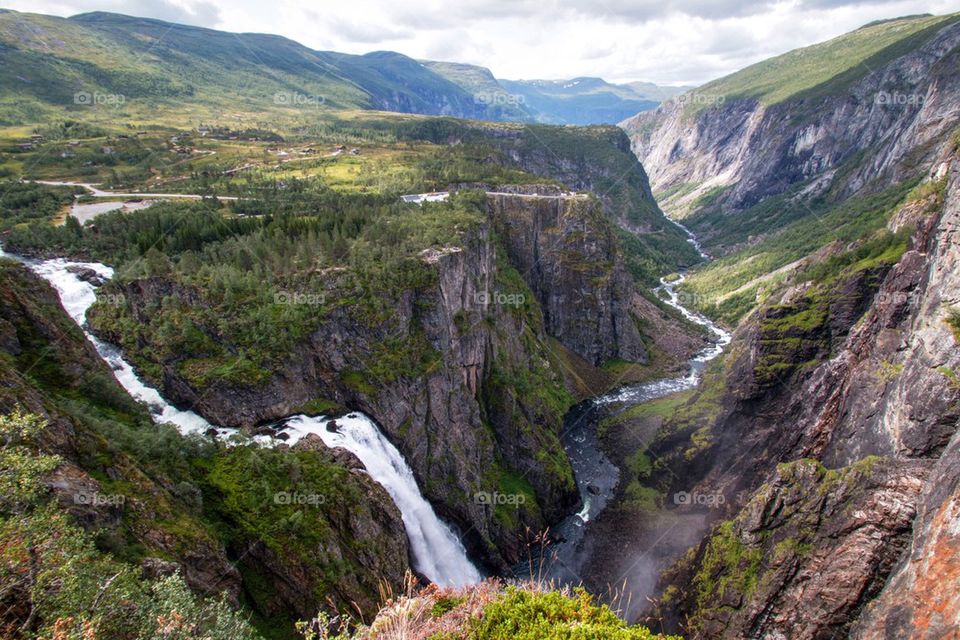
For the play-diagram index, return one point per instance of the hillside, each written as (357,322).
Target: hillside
(830,67)
(816,463)
(161,67)
(147,68)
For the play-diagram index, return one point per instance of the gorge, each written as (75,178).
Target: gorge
(304,371)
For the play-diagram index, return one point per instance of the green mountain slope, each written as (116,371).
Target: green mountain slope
(828,67)
(150,66)
(746,156)
(50,66)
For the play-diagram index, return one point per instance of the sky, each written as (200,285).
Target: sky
(672,42)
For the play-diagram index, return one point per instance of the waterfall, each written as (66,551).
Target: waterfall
(437,552)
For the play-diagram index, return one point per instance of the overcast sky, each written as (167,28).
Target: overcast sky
(664,41)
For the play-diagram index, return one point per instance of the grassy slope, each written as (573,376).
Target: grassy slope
(827,67)
(730,287)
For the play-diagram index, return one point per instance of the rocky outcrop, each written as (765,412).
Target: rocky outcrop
(804,554)
(921,600)
(367,548)
(569,259)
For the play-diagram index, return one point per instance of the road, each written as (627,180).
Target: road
(100,193)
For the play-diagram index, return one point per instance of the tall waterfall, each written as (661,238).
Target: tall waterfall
(437,552)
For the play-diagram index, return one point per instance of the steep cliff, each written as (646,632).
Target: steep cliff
(597,159)
(570,261)
(853,365)
(861,112)
(468,372)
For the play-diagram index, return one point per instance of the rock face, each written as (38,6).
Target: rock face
(921,599)
(877,130)
(804,554)
(569,260)
(862,379)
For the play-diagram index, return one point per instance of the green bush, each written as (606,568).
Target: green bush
(527,615)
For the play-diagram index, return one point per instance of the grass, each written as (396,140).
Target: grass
(494,611)
(953,321)
(727,566)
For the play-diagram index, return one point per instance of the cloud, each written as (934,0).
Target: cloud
(666,41)
(201,13)
(364,32)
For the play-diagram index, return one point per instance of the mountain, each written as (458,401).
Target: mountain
(149,67)
(656,92)
(583,100)
(156,65)
(579,101)
(830,117)
(486,89)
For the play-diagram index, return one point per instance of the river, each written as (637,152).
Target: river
(568,559)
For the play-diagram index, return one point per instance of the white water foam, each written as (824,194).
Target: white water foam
(437,551)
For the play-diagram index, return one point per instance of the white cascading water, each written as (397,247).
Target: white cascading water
(437,552)
(77,296)
(659,388)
